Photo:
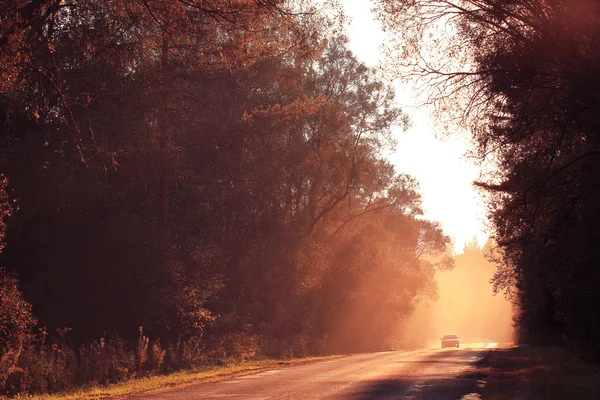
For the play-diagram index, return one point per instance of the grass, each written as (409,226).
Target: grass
(509,372)
(539,373)
(177,379)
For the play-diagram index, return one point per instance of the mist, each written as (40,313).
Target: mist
(466,306)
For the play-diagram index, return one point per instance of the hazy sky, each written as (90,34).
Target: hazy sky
(444,175)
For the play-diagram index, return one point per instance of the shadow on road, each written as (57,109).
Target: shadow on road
(449,388)
(426,362)
(466,386)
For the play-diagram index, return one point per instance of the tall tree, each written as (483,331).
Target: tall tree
(528,95)
(205,170)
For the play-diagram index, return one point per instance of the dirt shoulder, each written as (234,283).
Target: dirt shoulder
(538,373)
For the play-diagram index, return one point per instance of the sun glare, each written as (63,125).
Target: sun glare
(444,174)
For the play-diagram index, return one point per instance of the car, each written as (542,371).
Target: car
(450,341)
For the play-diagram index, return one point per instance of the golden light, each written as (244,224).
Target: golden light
(445,175)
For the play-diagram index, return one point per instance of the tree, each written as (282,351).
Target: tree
(204,170)
(96,113)
(528,96)
(16,319)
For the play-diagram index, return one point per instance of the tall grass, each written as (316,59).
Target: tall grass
(50,366)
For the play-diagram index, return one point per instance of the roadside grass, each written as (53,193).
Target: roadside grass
(539,373)
(177,379)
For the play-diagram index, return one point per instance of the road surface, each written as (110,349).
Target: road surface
(407,375)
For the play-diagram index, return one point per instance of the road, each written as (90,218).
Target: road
(407,375)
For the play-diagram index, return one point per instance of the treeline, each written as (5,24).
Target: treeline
(531,100)
(186,182)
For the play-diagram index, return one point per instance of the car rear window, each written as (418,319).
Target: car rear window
(449,336)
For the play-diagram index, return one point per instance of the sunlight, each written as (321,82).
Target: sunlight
(298,198)
(448,194)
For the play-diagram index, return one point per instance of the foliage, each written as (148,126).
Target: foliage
(530,91)
(211,172)
(16,319)
(16,322)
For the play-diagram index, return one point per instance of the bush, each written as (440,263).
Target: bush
(149,358)
(16,322)
(141,355)
(185,354)
(48,367)
(106,361)
(157,356)
(240,346)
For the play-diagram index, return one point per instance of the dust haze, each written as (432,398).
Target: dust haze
(466,306)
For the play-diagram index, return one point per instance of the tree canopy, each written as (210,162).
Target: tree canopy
(525,84)
(209,174)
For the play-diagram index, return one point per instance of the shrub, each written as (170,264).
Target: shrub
(48,367)
(141,354)
(240,346)
(185,354)
(106,361)
(16,322)
(157,356)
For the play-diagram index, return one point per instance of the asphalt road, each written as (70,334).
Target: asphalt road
(407,375)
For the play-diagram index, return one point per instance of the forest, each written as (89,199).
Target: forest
(522,77)
(185,182)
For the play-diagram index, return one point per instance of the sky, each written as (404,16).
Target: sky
(444,174)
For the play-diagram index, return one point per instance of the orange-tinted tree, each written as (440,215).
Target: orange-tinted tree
(207,171)
(530,101)
(16,319)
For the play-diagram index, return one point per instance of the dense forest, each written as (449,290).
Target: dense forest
(185,182)
(522,77)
